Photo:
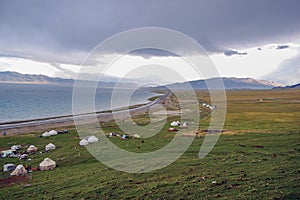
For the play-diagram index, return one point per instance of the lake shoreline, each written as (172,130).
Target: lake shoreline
(67,121)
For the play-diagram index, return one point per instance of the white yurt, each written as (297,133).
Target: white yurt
(53,132)
(32,149)
(83,142)
(19,171)
(93,139)
(47,164)
(185,125)
(50,146)
(174,123)
(7,153)
(136,136)
(15,147)
(9,167)
(46,134)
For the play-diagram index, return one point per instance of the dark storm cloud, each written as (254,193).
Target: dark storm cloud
(234,52)
(65,31)
(148,53)
(282,47)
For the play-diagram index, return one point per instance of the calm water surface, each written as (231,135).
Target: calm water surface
(31,101)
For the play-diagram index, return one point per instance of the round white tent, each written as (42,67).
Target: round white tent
(83,142)
(19,171)
(174,123)
(50,146)
(53,132)
(185,125)
(32,149)
(93,139)
(9,167)
(46,134)
(15,147)
(47,164)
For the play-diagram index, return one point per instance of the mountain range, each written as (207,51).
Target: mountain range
(229,83)
(296,86)
(15,77)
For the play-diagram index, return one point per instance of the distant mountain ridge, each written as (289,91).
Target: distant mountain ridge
(15,77)
(296,86)
(229,83)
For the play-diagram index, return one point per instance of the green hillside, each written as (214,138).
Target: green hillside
(257,157)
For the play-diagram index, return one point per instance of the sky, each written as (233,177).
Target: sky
(257,39)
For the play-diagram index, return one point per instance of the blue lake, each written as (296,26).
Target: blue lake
(32,101)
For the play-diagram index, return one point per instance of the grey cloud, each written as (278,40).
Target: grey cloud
(234,52)
(282,47)
(65,31)
(63,72)
(57,66)
(67,73)
(148,53)
(288,72)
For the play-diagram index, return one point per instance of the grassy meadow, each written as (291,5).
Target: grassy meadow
(257,157)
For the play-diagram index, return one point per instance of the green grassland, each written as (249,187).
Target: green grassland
(235,169)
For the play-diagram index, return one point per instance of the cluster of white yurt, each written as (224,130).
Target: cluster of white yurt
(175,123)
(46,164)
(88,139)
(209,106)
(50,133)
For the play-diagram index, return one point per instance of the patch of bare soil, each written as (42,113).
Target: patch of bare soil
(14,180)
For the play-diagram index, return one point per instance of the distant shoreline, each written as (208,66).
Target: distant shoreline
(41,124)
